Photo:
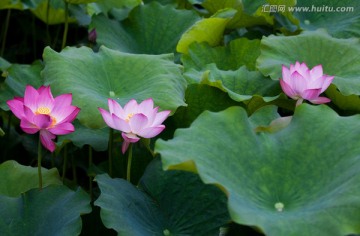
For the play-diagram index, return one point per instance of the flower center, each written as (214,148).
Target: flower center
(43,111)
(129,117)
(46,111)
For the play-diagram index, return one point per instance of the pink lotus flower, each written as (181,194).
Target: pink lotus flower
(134,120)
(39,111)
(300,83)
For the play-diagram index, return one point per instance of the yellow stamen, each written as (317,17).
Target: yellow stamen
(46,111)
(129,117)
(43,111)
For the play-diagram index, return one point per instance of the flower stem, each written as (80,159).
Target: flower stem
(39,164)
(56,39)
(146,143)
(128,170)
(48,37)
(65,163)
(7,21)
(34,35)
(8,128)
(66,28)
(73,169)
(299,102)
(111,139)
(7,131)
(52,160)
(90,177)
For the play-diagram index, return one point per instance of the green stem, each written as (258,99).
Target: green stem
(90,177)
(52,159)
(111,139)
(66,24)
(7,21)
(146,143)
(48,38)
(7,136)
(33,27)
(39,164)
(128,171)
(152,152)
(64,164)
(299,102)
(8,127)
(56,39)
(73,169)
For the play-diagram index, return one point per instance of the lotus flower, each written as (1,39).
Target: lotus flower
(299,83)
(40,111)
(134,120)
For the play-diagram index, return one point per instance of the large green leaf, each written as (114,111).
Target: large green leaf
(201,97)
(17,77)
(339,57)
(14,4)
(237,53)
(339,18)
(301,180)
(4,64)
(285,20)
(209,30)
(96,138)
(92,78)
(126,209)
(249,13)
(199,209)
(149,29)
(16,179)
(50,11)
(249,87)
(171,203)
(241,84)
(349,103)
(55,210)
(113,6)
